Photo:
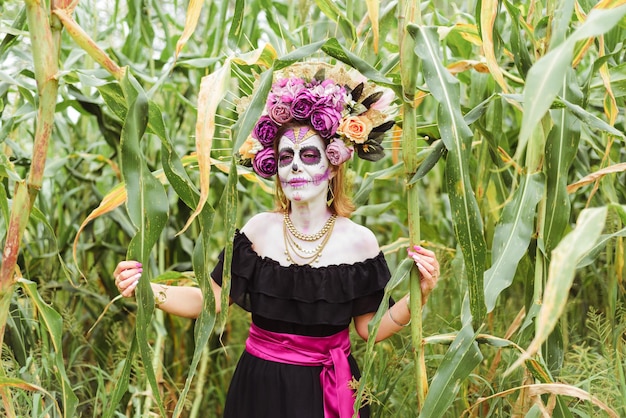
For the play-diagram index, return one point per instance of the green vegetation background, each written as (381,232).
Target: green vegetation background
(508,161)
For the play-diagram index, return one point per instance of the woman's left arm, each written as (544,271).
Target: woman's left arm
(398,316)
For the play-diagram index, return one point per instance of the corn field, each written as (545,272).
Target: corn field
(119,124)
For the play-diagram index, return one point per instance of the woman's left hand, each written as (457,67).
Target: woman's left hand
(428,266)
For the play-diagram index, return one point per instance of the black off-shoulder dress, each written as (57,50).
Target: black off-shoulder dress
(301,300)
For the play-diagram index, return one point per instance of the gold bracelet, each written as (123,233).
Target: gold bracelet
(161,296)
(396,322)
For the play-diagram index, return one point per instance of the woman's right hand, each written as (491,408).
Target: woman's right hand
(127,275)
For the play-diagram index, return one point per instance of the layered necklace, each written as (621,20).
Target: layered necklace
(293,248)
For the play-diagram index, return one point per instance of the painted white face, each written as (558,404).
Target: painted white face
(303,168)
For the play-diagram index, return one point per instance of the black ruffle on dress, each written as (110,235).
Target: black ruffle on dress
(301,300)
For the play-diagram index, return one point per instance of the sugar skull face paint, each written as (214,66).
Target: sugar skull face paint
(303,168)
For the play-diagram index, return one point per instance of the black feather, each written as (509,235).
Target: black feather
(383,126)
(356,92)
(371,99)
(370,151)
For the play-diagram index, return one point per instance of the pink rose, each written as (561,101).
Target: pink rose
(264,163)
(280,113)
(338,152)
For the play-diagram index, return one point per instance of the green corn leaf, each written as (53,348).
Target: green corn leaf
(336,50)
(437,150)
(561,22)
(119,389)
(172,166)
(374,210)
(40,219)
(590,120)
(399,275)
(462,357)
(53,323)
(206,321)
(546,75)
(330,9)
(523,62)
(360,197)
(456,136)
(228,209)
(565,257)
(298,55)
(512,236)
(201,265)
(599,246)
(560,151)
(4,208)
(147,207)
(236,25)
(246,122)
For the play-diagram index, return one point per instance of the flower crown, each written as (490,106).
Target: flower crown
(342,107)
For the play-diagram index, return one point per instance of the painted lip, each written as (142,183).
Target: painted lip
(298,182)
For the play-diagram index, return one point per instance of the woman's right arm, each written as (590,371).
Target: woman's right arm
(177,300)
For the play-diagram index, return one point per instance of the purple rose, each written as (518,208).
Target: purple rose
(338,152)
(265,131)
(303,104)
(264,162)
(325,121)
(280,113)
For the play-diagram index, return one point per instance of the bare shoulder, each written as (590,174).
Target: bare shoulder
(260,224)
(356,240)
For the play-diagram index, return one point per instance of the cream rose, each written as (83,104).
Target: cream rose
(355,128)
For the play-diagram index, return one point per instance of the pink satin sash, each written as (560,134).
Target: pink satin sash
(330,352)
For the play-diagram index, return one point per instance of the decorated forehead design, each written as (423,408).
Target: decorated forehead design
(348,112)
(299,135)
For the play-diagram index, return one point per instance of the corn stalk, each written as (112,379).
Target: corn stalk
(45,58)
(45,43)
(409,64)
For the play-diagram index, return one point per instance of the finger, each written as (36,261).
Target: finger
(124,284)
(427,272)
(423,251)
(430,257)
(127,274)
(125,265)
(425,257)
(426,263)
(128,292)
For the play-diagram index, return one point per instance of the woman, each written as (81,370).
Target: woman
(304,271)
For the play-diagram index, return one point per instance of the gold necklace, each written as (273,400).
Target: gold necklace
(292,248)
(304,237)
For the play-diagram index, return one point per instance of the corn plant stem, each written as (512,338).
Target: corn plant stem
(203,372)
(408,67)
(46,69)
(43,39)
(157,360)
(5,392)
